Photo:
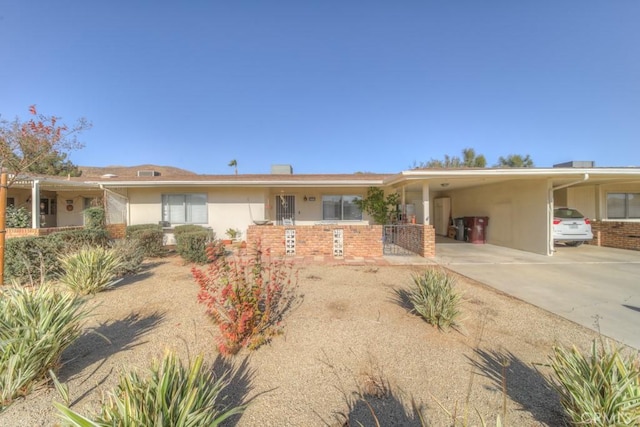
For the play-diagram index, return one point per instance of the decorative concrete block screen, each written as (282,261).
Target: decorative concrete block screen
(334,240)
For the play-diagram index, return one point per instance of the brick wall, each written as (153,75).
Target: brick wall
(116,231)
(23,232)
(358,240)
(614,234)
(428,241)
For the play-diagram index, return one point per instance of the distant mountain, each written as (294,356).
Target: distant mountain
(131,171)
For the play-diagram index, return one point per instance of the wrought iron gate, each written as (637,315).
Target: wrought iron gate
(402,239)
(285,209)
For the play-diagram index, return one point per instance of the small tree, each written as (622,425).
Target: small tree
(378,206)
(39,145)
(469,160)
(515,161)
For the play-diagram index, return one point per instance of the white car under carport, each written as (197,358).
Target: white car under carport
(571,227)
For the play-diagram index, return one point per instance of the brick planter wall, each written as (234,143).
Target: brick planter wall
(358,240)
(428,241)
(23,232)
(116,231)
(616,234)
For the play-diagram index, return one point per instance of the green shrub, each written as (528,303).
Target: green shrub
(31,259)
(17,217)
(433,297)
(189,228)
(95,219)
(131,230)
(90,270)
(246,299)
(600,389)
(36,326)
(73,240)
(150,241)
(131,256)
(192,245)
(171,395)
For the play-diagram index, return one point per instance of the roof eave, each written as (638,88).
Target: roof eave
(262,184)
(412,175)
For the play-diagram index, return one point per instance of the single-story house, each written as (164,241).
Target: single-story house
(316,215)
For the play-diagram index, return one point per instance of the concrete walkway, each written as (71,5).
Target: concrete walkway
(596,287)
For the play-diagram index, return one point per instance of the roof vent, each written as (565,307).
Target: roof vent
(148,173)
(281,170)
(109,175)
(576,164)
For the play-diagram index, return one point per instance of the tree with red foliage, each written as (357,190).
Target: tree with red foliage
(39,145)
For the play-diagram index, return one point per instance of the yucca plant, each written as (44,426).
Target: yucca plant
(600,389)
(90,270)
(36,326)
(434,298)
(172,396)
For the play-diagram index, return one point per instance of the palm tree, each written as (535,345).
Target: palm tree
(234,164)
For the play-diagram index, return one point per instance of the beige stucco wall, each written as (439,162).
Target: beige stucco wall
(517,211)
(591,200)
(235,207)
(580,198)
(74,217)
(227,208)
(62,217)
(310,212)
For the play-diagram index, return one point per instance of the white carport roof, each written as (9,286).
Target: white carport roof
(453,179)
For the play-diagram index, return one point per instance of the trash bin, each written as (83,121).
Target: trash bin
(459,223)
(476,228)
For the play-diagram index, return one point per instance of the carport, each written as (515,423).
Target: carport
(518,202)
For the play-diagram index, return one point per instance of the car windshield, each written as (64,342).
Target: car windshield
(567,213)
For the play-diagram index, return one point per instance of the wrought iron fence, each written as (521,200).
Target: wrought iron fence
(402,239)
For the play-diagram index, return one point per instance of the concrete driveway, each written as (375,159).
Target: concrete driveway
(593,286)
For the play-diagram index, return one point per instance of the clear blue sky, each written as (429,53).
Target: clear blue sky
(329,86)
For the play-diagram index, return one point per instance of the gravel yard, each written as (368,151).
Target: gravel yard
(349,348)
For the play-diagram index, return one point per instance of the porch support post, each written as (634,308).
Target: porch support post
(425,203)
(35,204)
(404,205)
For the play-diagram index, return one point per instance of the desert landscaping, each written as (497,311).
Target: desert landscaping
(350,348)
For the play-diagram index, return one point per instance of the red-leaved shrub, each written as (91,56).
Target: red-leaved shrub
(247,296)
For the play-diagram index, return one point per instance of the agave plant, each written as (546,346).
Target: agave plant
(434,298)
(602,388)
(36,326)
(90,270)
(172,396)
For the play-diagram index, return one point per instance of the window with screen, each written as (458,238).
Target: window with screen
(341,208)
(623,205)
(184,208)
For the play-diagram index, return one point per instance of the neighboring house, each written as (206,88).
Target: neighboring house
(316,214)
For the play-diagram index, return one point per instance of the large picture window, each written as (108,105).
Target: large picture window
(623,205)
(340,208)
(184,208)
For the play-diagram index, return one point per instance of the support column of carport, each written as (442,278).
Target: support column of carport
(428,232)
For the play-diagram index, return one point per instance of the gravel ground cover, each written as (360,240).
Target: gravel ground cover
(349,349)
